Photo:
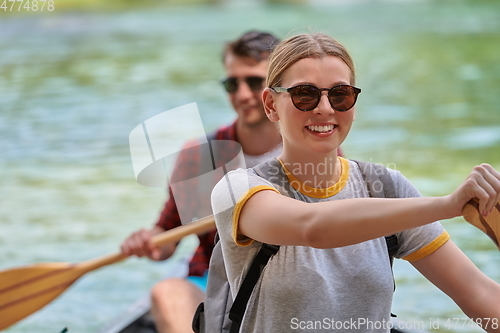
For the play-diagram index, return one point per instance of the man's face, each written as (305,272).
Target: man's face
(246,102)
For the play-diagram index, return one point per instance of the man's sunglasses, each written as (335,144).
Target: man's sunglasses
(306,97)
(254,82)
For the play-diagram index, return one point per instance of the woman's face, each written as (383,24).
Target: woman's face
(323,129)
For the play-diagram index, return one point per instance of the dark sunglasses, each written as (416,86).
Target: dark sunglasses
(306,97)
(254,82)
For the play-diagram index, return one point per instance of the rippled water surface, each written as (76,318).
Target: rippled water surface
(74,84)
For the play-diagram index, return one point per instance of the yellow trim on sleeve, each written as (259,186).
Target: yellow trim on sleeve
(320,193)
(239,206)
(429,248)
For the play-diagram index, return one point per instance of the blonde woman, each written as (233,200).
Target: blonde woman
(332,266)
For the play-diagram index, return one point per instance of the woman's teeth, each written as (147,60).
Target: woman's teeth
(321,129)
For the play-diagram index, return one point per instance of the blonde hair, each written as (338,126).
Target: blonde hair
(293,49)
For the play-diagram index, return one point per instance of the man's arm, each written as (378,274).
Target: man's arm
(139,242)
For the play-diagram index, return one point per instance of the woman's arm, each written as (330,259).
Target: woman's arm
(272,218)
(275,219)
(476,294)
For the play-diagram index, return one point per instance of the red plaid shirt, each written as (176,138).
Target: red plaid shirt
(189,166)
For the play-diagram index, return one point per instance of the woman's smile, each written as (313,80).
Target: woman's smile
(322,130)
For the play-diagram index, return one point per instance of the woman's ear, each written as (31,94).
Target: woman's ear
(269,104)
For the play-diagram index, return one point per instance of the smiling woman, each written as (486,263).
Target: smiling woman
(331,260)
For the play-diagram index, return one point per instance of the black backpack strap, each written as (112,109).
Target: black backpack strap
(392,248)
(240,303)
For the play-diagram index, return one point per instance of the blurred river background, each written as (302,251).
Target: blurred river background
(75,81)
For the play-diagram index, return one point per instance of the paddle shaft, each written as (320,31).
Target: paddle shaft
(24,290)
(173,235)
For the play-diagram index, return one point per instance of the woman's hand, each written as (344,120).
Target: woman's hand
(482,183)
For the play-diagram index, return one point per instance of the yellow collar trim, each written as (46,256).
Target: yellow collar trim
(320,193)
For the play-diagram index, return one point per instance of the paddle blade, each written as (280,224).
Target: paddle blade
(490,224)
(27,289)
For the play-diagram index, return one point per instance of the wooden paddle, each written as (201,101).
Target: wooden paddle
(490,224)
(25,290)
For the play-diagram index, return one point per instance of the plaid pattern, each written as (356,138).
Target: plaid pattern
(188,166)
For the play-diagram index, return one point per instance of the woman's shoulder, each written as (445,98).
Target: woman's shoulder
(241,180)
(374,172)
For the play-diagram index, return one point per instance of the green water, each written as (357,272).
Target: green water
(74,84)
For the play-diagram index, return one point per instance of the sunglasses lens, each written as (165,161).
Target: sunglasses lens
(255,82)
(305,97)
(230,84)
(342,98)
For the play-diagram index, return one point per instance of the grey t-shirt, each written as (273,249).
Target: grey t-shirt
(304,289)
